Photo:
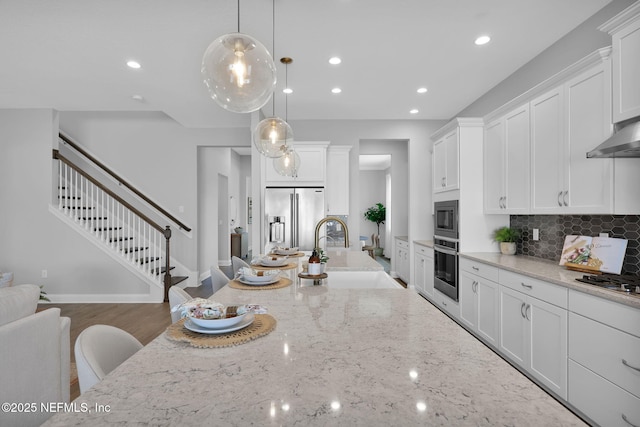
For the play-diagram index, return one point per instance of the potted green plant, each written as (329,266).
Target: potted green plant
(323,259)
(507,237)
(376,214)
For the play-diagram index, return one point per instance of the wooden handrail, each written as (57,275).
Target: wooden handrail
(119,179)
(62,158)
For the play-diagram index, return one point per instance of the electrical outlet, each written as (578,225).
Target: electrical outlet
(44,274)
(604,234)
(536,234)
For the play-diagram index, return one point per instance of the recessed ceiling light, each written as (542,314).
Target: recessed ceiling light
(414,111)
(287,90)
(133,64)
(335,60)
(482,40)
(336,90)
(138,98)
(422,90)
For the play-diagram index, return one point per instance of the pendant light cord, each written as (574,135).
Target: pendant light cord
(238,16)
(273,49)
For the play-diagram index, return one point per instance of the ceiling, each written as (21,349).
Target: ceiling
(70,55)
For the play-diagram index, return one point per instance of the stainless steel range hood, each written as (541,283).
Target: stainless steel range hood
(624,143)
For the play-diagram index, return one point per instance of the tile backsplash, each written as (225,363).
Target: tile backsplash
(553,229)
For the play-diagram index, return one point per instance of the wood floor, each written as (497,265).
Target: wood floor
(143,321)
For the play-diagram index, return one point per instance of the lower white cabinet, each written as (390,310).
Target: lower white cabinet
(423,270)
(534,336)
(445,303)
(604,360)
(402,260)
(479,305)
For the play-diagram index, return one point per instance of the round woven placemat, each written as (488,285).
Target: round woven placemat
(296,255)
(283,267)
(282,283)
(261,326)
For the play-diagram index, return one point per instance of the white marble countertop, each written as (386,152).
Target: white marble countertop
(351,260)
(549,271)
(403,238)
(427,243)
(337,357)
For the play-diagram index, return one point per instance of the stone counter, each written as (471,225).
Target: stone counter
(549,271)
(337,357)
(351,260)
(426,243)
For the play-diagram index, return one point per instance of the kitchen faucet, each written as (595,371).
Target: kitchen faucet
(327,219)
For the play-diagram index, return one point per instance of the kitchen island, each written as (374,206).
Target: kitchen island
(336,357)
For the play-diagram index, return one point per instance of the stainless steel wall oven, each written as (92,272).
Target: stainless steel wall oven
(445,257)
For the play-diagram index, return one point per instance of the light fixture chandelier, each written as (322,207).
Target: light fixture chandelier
(239,72)
(289,163)
(272,134)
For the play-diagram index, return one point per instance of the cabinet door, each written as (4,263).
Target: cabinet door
(311,172)
(626,66)
(513,326)
(488,308)
(548,344)
(451,173)
(517,179)
(547,152)
(467,299)
(494,163)
(419,269)
(337,188)
(429,280)
(588,182)
(439,166)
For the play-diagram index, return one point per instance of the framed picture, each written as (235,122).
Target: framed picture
(249,210)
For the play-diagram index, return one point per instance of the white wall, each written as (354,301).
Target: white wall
(33,239)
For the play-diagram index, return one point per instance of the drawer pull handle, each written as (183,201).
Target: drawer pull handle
(625,363)
(628,422)
(526,312)
(526,286)
(475,268)
(522,309)
(444,303)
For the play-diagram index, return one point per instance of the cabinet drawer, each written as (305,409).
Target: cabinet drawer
(480,269)
(553,294)
(447,304)
(619,316)
(602,401)
(602,349)
(403,244)
(423,250)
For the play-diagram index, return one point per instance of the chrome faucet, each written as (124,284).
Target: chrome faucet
(327,219)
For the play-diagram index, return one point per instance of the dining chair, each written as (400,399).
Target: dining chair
(238,263)
(218,278)
(100,349)
(177,295)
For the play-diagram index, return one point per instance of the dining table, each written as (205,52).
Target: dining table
(328,356)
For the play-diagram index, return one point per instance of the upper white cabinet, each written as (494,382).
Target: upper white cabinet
(506,163)
(625,34)
(312,171)
(445,162)
(566,122)
(337,188)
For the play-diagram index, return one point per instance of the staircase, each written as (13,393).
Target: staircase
(110,220)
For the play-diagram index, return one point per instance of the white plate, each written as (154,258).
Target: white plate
(290,251)
(248,319)
(258,283)
(272,263)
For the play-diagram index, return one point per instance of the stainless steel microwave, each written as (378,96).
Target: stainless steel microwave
(446,219)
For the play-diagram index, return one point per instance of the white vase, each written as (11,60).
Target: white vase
(508,248)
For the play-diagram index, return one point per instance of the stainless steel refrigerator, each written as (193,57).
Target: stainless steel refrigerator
(291,215)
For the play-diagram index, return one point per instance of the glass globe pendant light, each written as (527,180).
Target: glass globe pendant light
(239,72)
(271,137)
(289,164)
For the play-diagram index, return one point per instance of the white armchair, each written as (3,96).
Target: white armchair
(34,355)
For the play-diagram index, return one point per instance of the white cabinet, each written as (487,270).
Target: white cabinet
(423,270)
(625,34)
(337,188)
(449,306)
(479,300)
(506,163)
(312,171)
(566,122)
(604,379)
(402,259)
(445,163)
(533,332)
